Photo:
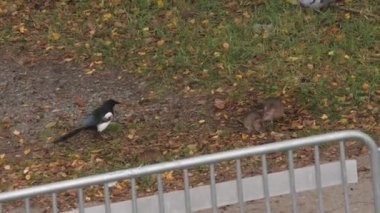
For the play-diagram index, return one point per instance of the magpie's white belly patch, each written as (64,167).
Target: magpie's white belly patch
(103,126)
(107,118)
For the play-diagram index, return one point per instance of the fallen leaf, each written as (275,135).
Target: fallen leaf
(192,148)
(26,170)
(130,136)
(244,136)
(22,28)
(160,42)
(219,104)
(201,121)
(217,54)
(26,151)
(54,36)
(219,90)
(106,16)
(168,175)
(51,124)
(2,156)
(324,117)
(16,132)
(238,77)
(226,45)
(365,86)
(28,176)
(160,3)
(7,167)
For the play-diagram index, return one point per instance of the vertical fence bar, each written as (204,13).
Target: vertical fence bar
(54,202)
(292,181)
(107,200)
(318,181)
(160,187)
(187,190)
(265,182)
(80,200)
(239,187)
(343,172)
(213,189)
(1,208)
(134,195)
(27,205)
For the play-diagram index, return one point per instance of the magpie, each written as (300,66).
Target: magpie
(98,120)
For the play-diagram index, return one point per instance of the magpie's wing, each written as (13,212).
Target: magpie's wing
(90,121)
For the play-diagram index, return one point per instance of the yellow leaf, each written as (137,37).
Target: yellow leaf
(201,121)
(160,42)
(7,167)
(168,175)
(141,53)
(22,28)
(217,54)
(244,136)
(365,86)
(130,136)
(51,124)
(2,156)
(324,117)
(27,151)
(27,177)
(89,71)
(293,58)
(160,3)
(107,16)
(238,77)
(347,15)
(54,36)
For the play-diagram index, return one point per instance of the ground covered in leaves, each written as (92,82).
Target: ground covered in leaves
(186,72)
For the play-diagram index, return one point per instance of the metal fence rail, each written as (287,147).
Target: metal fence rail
(211,159)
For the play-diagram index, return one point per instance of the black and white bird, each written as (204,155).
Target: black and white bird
(98,120)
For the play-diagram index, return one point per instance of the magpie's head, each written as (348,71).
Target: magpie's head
(111,102)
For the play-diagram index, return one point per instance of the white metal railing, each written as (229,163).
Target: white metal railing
(211,159)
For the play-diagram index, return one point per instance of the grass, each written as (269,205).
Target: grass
(275,40)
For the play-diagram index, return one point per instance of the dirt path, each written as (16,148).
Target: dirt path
(34,96)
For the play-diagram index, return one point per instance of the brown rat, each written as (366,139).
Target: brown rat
(253,121)
(273,109)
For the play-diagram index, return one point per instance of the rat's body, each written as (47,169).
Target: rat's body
(253,121)
(273,109)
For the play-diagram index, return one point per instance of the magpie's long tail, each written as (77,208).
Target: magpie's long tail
(68,135)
